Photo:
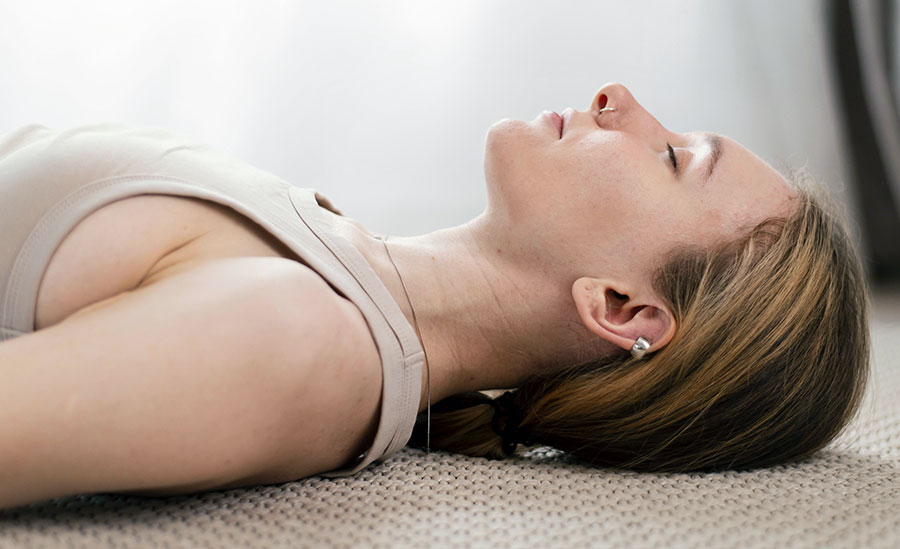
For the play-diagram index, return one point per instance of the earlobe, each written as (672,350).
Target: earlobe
(620,313)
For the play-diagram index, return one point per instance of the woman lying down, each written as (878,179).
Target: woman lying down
(175,321)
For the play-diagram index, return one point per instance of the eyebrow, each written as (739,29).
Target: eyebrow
(715,146)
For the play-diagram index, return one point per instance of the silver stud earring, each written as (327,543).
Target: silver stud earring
(640,347)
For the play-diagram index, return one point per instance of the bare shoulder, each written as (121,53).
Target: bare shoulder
(330,361)
(222,372)
(341,366)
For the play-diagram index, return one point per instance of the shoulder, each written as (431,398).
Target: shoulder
(306,305)
(316,345)
(256,368)
(311,310)
(293,318)
(336,370)
(290,301)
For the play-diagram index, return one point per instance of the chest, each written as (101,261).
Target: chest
(123,244)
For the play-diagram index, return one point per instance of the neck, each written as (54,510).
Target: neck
(484,321)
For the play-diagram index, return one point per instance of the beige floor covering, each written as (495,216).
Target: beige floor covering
(846,496)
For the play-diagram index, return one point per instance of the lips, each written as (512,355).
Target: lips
(555,120)
(566,116)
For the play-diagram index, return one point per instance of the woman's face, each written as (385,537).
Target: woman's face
(608,189)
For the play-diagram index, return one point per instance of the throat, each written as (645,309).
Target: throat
(479,319)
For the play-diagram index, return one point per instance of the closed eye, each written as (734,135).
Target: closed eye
(673,158)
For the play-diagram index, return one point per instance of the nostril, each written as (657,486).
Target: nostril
(601,101)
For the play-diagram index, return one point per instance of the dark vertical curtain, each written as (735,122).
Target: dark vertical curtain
(863,39)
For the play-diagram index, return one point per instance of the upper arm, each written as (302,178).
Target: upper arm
(232,370)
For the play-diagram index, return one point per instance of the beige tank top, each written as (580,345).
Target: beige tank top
(50,180)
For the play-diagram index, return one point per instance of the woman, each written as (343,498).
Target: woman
(177,321)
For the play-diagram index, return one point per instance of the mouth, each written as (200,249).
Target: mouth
(555,120)
(566,117)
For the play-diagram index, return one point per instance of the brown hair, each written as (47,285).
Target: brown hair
(768,363)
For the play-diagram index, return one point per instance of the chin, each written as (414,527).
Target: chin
(505,145)
(503,132)
(500,154)
(510,149)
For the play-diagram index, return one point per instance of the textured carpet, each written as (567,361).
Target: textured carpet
(846,496)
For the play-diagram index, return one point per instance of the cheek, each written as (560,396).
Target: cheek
(599,166)
(722,217)
(647,229)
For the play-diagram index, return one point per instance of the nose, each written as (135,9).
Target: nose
(612,95)
(629,114)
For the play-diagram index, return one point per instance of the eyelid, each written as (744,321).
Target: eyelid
(673,157)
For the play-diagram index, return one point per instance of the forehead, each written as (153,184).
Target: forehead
(744,188)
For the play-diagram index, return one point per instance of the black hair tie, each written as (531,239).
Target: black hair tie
(511,434)
(504,407)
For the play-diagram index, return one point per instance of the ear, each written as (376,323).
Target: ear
(620,313)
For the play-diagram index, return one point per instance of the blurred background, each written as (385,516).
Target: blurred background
(384,106)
